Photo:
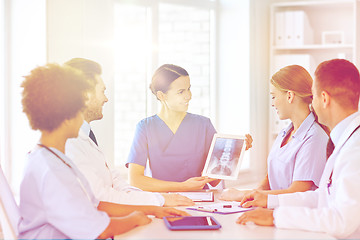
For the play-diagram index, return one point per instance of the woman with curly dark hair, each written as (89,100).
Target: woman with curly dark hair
(56,201)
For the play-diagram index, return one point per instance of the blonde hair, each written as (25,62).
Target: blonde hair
(296,79)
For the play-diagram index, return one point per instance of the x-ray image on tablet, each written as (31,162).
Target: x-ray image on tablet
(225,156)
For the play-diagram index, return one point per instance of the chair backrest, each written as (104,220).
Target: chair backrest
(9,211)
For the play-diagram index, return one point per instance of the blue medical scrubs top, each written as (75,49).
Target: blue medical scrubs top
(172,157)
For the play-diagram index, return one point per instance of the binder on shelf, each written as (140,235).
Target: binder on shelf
(279,28)
(289,28)
(303,33)
(292,28)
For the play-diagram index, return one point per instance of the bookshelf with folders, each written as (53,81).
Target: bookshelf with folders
(309,32)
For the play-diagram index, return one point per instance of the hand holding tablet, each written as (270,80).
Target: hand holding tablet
(191,223)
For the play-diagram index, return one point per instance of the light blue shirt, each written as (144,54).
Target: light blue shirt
(56,201)
(339,129)
(301,159)
(172,157)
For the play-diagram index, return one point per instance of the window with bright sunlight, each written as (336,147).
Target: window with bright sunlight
(148,36)
(23,46)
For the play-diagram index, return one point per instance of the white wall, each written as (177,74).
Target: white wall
(232,61)
(237,21)
(25,49)
(2,83)
(259,82)
(233,67)
(84,28)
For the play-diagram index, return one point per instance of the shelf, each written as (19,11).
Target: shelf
(315,47)
(297,32)
(313,3)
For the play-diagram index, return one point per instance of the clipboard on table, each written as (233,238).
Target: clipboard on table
(221,208)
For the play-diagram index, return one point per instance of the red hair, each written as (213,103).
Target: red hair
(341,80)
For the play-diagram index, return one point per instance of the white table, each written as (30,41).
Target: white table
(229,230)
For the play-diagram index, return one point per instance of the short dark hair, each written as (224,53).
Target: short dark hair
(341,80)
(89,68)
(164,76)
(52,94)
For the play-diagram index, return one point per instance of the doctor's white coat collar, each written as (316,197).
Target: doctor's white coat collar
(84,134)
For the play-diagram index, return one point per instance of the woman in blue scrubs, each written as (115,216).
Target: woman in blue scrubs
(298,156)
(175,142)
(56,201)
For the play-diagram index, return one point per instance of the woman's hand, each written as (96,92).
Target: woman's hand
(139,217)
(254,198)
(259,216)
(233,194)
(173,200)
(248,141)
(196,183)
(161,212)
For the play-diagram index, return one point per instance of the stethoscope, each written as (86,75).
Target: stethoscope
(77,178)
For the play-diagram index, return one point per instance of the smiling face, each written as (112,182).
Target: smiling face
(178,96)
(97,99)
(279,102)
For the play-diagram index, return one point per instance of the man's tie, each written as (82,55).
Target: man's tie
(329,148)
(92,136)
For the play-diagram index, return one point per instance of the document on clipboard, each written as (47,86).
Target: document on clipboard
(221,208)
(199,196)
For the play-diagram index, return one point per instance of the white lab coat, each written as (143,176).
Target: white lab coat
(107,185)
(337,213)
(56,201)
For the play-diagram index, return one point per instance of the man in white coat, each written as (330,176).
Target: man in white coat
(334,208)
(106,184)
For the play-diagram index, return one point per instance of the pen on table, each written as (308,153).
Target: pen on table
(227,206)
(207,210)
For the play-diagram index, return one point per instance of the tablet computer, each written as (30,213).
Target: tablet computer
(191,223)
(225,155)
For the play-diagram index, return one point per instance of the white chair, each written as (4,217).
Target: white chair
(9,211)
